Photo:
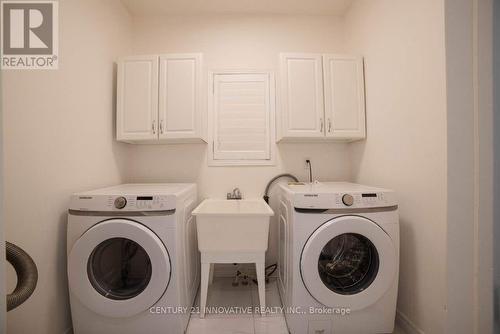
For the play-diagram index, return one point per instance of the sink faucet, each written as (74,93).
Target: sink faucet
(236,194)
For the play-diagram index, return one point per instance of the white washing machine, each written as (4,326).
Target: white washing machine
(132,259)
(338,258)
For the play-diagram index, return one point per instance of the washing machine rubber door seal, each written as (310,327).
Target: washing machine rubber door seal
(78,266)
(345,225)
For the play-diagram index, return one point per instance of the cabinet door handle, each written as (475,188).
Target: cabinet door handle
(153,127)
(329,125)
(321,124)
(161,126)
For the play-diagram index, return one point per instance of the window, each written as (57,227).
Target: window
(242,118)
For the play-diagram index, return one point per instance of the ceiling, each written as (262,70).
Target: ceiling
(168,7)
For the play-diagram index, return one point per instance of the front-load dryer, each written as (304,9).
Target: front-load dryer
(338,258)
(132,259)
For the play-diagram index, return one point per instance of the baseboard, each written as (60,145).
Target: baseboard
(406,324)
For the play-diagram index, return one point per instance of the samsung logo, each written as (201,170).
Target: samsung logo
(310,195)
(85,197)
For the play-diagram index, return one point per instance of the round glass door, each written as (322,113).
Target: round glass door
(119,268)
(348,263)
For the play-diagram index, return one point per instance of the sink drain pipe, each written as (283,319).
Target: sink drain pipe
(27,275)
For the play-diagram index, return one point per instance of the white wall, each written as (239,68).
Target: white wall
(496,162)
(58,139)
(469,25)
(461,146)
(485,166)
(248,42)
(403,45)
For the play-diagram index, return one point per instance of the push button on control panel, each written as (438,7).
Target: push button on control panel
(347,199)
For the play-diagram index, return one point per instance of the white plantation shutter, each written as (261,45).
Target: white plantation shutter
(242,116)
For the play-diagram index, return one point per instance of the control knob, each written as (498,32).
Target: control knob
(348,200)
(120,202)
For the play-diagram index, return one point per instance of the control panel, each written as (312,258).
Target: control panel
(123,202)
(343,200)
(365,200)
(338,196)
(139,203)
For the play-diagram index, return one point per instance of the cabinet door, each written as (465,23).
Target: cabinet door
(180,101)
(302,110)
(344,97)
(137,98)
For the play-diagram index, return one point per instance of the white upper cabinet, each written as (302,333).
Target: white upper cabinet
(159,99)
(302,95)
(344,97)
(322,97)
(137,98)
(180,103)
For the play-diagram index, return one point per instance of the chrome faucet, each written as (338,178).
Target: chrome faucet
(236,194)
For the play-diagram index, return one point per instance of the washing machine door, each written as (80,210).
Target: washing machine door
(118,268)
(348,262)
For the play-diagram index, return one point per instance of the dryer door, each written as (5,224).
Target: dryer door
(118,268)
(348,262)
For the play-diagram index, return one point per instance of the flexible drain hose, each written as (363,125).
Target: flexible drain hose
(268,186)
(27,275)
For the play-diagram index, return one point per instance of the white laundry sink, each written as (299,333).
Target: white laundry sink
(233,225)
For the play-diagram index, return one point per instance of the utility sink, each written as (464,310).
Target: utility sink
(233,225)
(232,231)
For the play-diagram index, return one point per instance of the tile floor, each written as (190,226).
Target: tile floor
(241,301)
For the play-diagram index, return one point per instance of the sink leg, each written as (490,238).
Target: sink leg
(261,279)
(205,273)
(211,277)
